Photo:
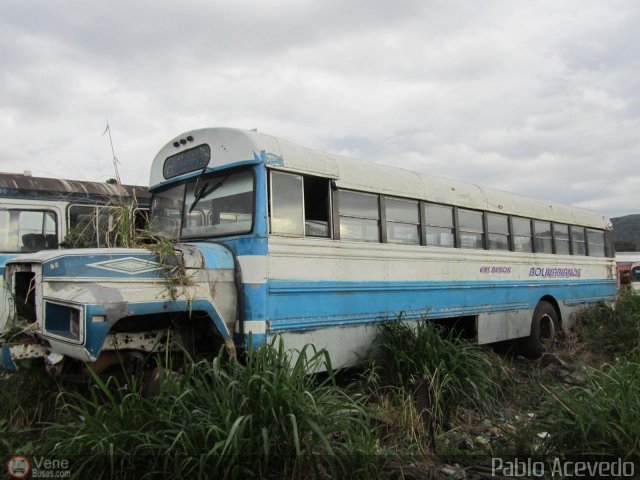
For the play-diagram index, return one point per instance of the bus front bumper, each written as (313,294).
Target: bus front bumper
(14,352)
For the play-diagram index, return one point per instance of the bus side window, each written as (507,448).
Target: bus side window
(359,216)
(82,227)
(522,240)
(498,231)
(439,228)
(317,205)
(595,243)
(402,220)
(578,241)
(543,238)
(561,239)
(471,228)
(37,230)
(287,204)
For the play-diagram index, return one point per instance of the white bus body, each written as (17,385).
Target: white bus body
(318,248)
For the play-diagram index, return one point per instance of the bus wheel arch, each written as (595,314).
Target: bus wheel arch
(545,324)
(196,331)
(559,324)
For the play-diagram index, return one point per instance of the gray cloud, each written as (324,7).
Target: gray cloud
(536,97)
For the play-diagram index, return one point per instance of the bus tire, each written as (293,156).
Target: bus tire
(543,331)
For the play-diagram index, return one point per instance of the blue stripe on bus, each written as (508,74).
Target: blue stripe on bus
(108,265)
(255,296)
(6,361)
(304,305)
(4,258)
(97,332)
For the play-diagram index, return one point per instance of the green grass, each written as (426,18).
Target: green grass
(444,371)
(26,400)
(268,416)
(614,328)
(599,417)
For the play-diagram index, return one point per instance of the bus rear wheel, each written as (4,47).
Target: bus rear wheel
(543,331)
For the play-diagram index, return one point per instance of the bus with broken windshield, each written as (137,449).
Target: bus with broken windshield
(271,239)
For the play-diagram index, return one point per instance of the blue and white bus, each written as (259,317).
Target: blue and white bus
(280,240)
(38,213)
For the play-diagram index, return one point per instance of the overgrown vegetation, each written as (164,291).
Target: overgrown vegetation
(120,224)
(615,329)
(264,417)
(117,224)
(27,401)
(428,394)
(443,370)
(599,417)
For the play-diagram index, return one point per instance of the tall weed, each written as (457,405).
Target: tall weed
(615,328)
(444,370)
(599,417)
(265,417)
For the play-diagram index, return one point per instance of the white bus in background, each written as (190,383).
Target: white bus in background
(625,261)
(282,240)
(37,213)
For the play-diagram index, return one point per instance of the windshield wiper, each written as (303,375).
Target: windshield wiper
(204,191)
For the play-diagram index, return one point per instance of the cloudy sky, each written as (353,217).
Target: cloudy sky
(536,97)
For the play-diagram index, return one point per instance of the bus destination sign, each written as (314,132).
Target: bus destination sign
(190,160)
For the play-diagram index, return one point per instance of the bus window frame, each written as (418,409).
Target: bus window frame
(37,209)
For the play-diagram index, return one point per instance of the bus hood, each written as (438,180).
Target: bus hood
(92,263)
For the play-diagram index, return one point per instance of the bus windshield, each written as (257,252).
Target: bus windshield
(207,206)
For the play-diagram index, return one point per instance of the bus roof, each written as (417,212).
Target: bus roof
(628,257)
(15,185)
(229,145)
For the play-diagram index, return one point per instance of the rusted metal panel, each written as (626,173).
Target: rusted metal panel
(151,341)
(26,187)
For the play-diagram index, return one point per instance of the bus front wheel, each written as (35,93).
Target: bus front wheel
(543,331)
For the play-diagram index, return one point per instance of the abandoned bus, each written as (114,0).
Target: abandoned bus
(277,239)
(38,213)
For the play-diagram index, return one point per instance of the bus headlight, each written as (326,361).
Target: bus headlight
(62,320)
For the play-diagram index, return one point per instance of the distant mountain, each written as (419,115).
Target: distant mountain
(626,231)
